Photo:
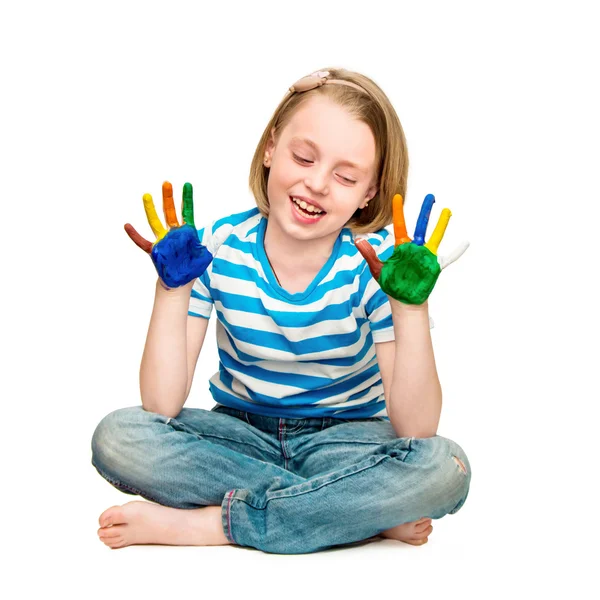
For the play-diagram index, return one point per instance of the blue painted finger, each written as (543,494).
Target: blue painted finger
(423,220)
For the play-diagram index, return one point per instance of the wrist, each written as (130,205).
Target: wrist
(182,290)
(401,308)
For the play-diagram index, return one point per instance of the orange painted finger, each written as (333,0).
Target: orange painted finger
(169,205)
(370,256)
(400,234)
(143,243)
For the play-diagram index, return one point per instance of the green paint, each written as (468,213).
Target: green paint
(187,212)
(410,273)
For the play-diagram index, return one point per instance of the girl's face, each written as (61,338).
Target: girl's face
(320,171)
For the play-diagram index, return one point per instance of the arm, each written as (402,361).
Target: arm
(169,354)
(173,343)
(413,393)
(407,277)
(196,332)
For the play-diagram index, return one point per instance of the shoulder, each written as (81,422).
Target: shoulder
(235,219)
(240,224)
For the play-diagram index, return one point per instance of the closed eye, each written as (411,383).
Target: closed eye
(310,163)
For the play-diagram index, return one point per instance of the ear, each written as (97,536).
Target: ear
(371,193)
(271,142)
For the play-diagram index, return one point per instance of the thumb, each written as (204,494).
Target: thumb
(370,256)
(454,255)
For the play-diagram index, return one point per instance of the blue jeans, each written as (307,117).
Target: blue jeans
(285,486)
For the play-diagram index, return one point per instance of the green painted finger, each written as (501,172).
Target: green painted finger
(187,210)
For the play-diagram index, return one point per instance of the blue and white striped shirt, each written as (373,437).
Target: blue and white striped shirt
(308,354)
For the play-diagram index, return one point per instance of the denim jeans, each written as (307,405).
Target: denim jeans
(285,486)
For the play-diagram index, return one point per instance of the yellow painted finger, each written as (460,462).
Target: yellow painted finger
(400,234)
(155,224)
(169,205)
(438,232)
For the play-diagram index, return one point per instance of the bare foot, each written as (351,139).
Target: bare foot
(145,523)
(415,533)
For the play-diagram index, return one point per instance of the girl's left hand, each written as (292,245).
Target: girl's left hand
(411,272)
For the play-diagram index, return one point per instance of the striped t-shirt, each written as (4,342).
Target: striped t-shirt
(308,354)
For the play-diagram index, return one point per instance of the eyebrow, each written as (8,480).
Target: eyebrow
(313,145)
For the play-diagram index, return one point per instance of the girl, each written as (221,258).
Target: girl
(327,396)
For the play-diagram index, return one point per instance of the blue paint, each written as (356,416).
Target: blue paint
(180,257)
(423,220)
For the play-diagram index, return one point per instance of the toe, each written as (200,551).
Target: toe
(105,518)
(110,533)
(423,527)
(416,542)
(111,516)
(113,540)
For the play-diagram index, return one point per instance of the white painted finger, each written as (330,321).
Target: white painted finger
(215,241)
(454,255)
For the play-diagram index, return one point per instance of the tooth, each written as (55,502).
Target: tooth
(306,206)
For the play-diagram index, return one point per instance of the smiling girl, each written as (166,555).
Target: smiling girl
(327,395)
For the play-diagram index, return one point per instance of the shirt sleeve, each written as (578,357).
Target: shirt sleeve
(375,301)
(201,302)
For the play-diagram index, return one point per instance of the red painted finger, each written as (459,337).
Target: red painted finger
(370,256)
(143,243)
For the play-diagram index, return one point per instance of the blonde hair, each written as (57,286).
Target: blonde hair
(391,155)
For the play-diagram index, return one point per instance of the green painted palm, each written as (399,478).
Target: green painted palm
(411,272)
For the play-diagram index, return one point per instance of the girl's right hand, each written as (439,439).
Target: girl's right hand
(177,254)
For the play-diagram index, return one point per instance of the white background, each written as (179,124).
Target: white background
(103,101)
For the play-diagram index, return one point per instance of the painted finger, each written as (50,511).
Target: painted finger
(455,255)
(155,224)
(143,243)
(400,234)
(423,220)
(187,208)
(169,205)
(370,256)
(438,233)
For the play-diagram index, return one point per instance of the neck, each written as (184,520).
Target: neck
(287,253)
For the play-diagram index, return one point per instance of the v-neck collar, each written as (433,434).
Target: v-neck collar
(266,265)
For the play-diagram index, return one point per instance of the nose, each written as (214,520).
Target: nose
(317,182)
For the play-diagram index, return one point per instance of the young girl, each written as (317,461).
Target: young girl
(327,396)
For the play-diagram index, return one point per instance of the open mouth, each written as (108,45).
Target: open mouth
(305,213)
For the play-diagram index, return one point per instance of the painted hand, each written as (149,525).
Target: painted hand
(411,272)
(177,254)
